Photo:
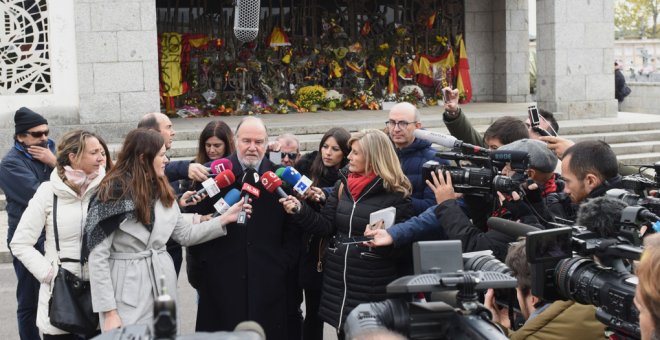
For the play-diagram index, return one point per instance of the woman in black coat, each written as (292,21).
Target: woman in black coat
(322,167)
(355,273)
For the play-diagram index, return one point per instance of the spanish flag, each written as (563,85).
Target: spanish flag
(425,64)
(463,83)
(431,20)
(393,84)
(277,38)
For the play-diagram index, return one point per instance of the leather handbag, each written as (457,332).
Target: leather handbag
(70,306)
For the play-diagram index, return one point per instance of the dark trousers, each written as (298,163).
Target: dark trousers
(69,336)
(27,295)
(313,325)
(176,252)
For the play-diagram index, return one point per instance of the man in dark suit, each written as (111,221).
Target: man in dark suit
(245,272)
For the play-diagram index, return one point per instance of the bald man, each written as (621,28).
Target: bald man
(245,273)
(404,119)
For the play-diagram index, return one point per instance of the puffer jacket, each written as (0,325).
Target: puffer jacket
(354,273)
(412,157)
(71,215)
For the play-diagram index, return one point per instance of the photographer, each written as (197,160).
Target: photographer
(647,296)
(544,320)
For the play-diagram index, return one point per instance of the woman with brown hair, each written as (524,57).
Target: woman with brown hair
(373,181)
(216,141)
(80,168)
(129,223)
(647,296)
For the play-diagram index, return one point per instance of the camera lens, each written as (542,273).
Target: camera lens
(488,263)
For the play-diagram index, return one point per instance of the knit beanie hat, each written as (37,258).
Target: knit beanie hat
(540,157)
(26,119)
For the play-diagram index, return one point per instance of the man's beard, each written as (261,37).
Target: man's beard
(43,144)
(248,162)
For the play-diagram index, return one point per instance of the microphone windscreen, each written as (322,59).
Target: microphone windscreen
(601,215)
(246,19)
(510,228)
(279,172)
(447,141)
(270,181)
(220,165)
(251,326)
(225,179)
(250,176)
(291,175)
(233,196)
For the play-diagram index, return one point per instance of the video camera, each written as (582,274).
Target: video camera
(441,262)
(484,176)
(558,275)
(640,184)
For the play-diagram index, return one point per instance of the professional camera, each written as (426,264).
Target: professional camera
(437,319)
(485,261)
(650,203)
(483,177)
(557,275)
(640,184)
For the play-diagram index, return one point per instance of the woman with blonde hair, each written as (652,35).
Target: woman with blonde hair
(60,203)
(355,273)
(647,296)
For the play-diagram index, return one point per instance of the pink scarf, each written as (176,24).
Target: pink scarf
(79,178)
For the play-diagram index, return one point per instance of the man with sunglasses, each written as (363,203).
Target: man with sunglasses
(27,164)
(285,150)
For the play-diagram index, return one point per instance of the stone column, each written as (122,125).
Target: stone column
(511,47)
(575,57)
(117,52)
(479,45)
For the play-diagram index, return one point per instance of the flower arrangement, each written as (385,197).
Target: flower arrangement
(332,100)
(412,94)
(311,97)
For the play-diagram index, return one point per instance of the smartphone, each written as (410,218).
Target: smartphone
(275,157)
(445,95)
(534,118)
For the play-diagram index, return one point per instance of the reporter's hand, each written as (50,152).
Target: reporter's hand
(557,145)
(315,194)
(452,104)
(443,190)
(381,237)
(197,172)
(43,155)
(231,215)
(291,204)
(188,194)
(111,321)
(500,315)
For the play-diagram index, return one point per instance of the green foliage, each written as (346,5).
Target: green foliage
(636,19)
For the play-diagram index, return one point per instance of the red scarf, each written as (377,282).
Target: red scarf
(357,183)
(550,186)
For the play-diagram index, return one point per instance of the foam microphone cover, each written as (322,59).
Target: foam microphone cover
(601,215)
(246,19)
(220,165)
(279,172)
(225,179)
(270,181)
(291,175)
(250,176)
(447,141)
(233,196)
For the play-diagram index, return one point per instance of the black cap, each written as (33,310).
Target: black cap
(25,119)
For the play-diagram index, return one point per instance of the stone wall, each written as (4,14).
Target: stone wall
(643,98)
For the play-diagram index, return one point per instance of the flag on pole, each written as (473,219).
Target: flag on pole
(431,20)
(463,83)
(393,84)
(425,63)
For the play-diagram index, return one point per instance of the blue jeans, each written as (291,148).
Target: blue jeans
(27,294)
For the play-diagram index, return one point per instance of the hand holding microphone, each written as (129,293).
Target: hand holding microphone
(233,214)
(299,182)
(291,205)
(219,165)
(223,204)
(212,186)
(190,198)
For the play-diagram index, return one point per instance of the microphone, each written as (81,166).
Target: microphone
(250,179)
(213,185)
(272,184)
(299,182)
(254,329)
(517,158)
(601,215)
(223,204)
(510,228)
(449,141)
(219,165)
(246,19)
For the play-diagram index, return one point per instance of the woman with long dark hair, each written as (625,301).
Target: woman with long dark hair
(216,141)
(322,167)
(129,223)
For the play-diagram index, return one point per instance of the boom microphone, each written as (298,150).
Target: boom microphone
(213,186)
(449,141)
(246,19)
(510,228)
(299,182)
(223,204)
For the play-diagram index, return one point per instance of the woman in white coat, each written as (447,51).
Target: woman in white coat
(80,167)
(130,221)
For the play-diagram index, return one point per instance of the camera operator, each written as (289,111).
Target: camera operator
(647,296)
(544,320)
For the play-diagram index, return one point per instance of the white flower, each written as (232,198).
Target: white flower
(334,95)
(412,90)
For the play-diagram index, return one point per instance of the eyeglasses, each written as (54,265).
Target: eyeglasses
(402,124)
(37,134)
(291,155)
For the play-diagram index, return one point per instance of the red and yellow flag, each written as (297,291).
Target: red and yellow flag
(463,83)
(431,20)
(393,84)
(425,63)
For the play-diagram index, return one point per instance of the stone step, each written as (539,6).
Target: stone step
(640,158)
(636,148)
(617,137)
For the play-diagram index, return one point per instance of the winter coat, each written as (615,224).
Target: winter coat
(412,157)
(461,128)
(354,273)
(20,176)
(562,320)
(71,214)
(245,272)
(126,267)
